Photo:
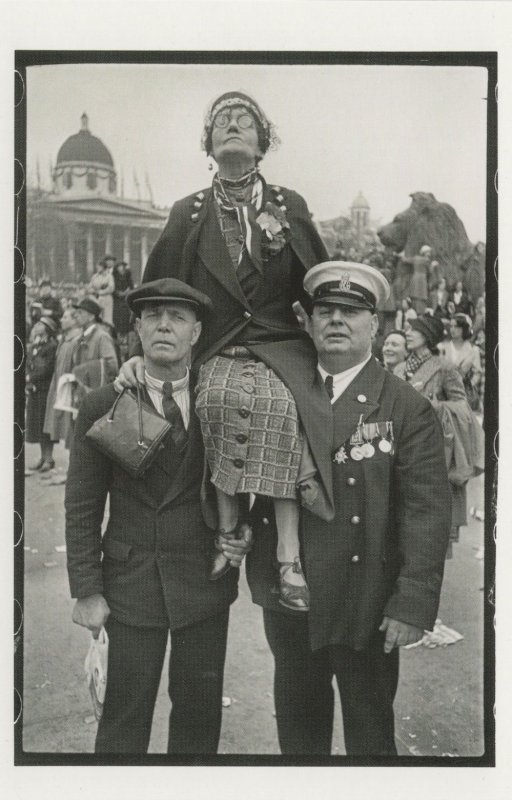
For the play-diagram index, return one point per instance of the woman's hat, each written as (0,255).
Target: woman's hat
(268,137)
(90,305)
(51,324)
(431,327)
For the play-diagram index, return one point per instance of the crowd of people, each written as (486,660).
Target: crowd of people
(263,356)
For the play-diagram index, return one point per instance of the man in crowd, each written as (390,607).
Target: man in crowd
(374,572)
(94,361)
(45,305)
(154,572)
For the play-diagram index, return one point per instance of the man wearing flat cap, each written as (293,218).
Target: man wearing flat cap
(94,361)
(149,572)
(374,571)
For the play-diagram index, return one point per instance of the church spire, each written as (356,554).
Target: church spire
(85,122)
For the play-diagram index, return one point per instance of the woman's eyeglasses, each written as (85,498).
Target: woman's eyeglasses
(243,121)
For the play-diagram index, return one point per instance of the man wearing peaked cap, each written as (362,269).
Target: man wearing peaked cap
(153,576)
(167,290)
(374,571)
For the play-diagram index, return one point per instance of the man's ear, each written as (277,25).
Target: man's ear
(196,332)
(137,325)
(374,327)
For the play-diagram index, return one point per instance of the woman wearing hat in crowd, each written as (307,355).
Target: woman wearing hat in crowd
(102,287)
(123,282)
(57,423)
(39,371)
(438,380)
(465,356)
(247,245)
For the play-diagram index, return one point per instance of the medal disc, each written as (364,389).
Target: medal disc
(384,446)
(368,450)
(357,453)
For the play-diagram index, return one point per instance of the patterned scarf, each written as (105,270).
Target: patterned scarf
(250,186)
(414,361)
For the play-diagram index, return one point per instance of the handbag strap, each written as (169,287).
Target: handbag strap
(139,410)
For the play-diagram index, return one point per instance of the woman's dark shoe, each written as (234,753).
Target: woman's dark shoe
(36,467)
(296,598)
(46,466)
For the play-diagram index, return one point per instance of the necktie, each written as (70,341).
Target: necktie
(172,414)
(329,386)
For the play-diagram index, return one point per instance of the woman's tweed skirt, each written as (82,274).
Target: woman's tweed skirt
(250,427)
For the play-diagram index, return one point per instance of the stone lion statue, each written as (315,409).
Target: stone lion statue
(427,221)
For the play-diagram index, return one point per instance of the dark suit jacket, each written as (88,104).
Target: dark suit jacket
(383,553)
(154,566)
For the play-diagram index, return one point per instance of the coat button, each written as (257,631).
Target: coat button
(238,463)
(361,398)
(351,481)
(247,315)
(355,559)
(244,412)
(241,437)
(355,520)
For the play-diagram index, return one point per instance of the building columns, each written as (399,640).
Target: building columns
(108,241)
(90,252)
(126,245)
(71,253)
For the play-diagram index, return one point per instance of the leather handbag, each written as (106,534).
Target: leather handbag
(130,433)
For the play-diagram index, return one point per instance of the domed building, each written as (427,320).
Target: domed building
(71,228)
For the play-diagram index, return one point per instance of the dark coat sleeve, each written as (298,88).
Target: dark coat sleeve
(422,497)
(166,258)
(87,486)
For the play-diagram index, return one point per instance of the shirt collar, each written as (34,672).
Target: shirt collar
(156,385)
(346,372)
(89,330)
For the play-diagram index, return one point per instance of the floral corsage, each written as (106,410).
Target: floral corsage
(275,227)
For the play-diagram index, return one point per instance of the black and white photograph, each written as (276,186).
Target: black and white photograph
(256,394)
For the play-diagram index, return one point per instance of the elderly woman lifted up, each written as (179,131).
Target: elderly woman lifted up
(248,245)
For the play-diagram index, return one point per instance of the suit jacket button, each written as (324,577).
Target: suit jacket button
(355,520)
(355,559)
(238,462)
(351,481)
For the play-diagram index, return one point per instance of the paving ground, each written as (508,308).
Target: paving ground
(439,706)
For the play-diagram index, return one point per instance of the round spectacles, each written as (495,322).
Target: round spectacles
(223,119)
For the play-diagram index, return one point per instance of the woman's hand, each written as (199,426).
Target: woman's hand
(131,373)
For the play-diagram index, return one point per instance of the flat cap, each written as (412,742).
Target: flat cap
(167,290)
(346,283)
(90,305)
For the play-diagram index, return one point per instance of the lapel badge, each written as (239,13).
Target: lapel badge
(197,204)
(276,189)
(345,282)
(283,208)
(280,198)
(200,195)
(194,216)
(340,456)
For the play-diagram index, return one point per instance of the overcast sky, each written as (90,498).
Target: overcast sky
(385,130)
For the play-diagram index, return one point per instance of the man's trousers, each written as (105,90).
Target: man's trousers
(196,671)
(304,698)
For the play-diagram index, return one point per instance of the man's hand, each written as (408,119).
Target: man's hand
(302,317)
(131,372)
(235,550)
(91,612)
(399,634)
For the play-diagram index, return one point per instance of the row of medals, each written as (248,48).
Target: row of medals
(363,437)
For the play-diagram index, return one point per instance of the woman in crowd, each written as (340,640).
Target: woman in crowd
(102,287)
(57,423)
(40,366)
(439,300)
(394,350)
(123,282)
(465,356)
(438,380)
(461,300)
(247,245)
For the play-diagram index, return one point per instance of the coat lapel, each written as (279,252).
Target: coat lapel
(425,373)
(359,400)
(213,252)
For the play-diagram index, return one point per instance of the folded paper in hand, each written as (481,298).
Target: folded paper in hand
(96,671)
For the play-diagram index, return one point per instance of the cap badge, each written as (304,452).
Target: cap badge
(345,282)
